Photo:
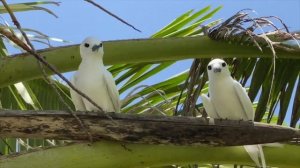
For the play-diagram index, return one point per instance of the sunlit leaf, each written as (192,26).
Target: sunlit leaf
(29,6)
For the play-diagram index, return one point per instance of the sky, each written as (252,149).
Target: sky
(78,19)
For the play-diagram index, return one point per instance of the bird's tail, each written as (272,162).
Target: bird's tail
(257,155)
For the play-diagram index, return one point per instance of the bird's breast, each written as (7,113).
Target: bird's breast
(92,84)
(89,80)
(225,99)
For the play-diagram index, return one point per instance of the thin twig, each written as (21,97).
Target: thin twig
(200,86)
(273,66)
(190,88)
(30,49)
(176,111)
(24,46)
(111,14)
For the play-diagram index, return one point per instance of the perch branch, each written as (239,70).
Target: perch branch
(140,128)
(111,14)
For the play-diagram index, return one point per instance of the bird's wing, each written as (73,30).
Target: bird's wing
(113,92)
(76,98)
(209,107)
(245,100)
(262,156)
(256,153)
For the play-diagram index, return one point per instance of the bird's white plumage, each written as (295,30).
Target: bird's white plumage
(94,80)
(256,152)
(76,98)
(244,100)
(112,91)
(229,100)
(210,109)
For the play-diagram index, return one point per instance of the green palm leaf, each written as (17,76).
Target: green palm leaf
(30,6)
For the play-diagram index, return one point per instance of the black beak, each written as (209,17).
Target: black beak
(217,70)
(96,47)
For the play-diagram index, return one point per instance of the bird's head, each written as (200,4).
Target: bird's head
(217,68)
(91,47)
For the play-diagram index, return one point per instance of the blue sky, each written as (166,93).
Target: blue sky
(78,19)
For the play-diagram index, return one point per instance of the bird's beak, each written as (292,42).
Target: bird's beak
(96,47)
(217,70)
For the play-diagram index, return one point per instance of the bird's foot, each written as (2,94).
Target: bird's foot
(223,119)
(240,120)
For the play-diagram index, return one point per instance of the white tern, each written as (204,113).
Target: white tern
(94,80)
(229,100)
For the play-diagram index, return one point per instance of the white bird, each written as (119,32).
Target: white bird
(229,100)
(94,80)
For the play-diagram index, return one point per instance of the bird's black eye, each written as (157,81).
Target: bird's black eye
(100,44)
(86,45)
(209,67)
(223,64)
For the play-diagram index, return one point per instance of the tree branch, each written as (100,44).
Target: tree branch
(113,15)
(119,155)
(140,129)
(24,67)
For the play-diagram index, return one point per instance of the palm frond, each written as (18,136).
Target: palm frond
(30,6)
(184,25)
